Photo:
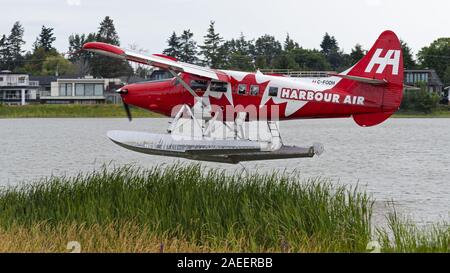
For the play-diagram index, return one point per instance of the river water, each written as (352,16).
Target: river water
(405,160)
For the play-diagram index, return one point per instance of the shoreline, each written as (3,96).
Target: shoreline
(117,111)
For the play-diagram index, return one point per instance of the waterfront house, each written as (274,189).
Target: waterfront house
(17,88)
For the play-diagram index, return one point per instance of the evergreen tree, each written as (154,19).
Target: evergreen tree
(174,49)
(188,47)
(330,49)
(3,52)
(45,39)
(357,54)
(240,54)
(289,44)
(14,44)
(104,66)
(212,49)
(267,49)
(329,45)
(408,60)
(80,58)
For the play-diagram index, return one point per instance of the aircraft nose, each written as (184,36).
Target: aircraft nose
(124,92)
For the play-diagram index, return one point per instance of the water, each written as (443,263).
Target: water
(406,160)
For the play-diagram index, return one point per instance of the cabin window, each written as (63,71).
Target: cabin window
(273,91)
(199,85)
(254,90)
(219,86)
(242,89)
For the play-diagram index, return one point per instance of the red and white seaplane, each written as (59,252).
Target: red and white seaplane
(215,112)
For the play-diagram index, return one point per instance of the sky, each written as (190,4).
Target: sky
(148,24)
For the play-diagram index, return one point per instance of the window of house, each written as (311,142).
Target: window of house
(98,90)
(89,89)
(65,89)
(199,85)
(219,86)
(242,89)
(254,90)
(273,91)
(1,79)
(79,89)
(21,79)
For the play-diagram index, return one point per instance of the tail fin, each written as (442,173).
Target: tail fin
(384,62)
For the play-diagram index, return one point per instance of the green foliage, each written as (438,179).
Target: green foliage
(357,54)
(212,50)
(11,48)
(267,50)
(45,39)
(202,206)
(247,212)
(421,100)
(446,78)
(71,111)
(104,66)
(174,49)
(80,58)
(408,60)
(188,47)
(239,54)
(436,56)
(57,65)
(402,235)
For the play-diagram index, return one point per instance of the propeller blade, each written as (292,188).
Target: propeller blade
(127,110)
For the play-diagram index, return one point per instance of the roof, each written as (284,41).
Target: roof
(433,79)
(46,80)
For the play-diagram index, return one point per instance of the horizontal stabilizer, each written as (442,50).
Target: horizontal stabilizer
(359,79)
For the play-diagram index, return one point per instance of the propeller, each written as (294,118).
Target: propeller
(127,110)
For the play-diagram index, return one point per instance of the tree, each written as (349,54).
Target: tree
(267,49)
(57,65)
(13,47)
(330,49)
(308,59)
(3,52)
(436,56)
(239,54)
(446,77)
(34,60)
(188,47)
(80,58)
(357,54)
(408,61)
(174,49)
(289,44)
(45,39)
(212,49)
(104,66)
(329,44)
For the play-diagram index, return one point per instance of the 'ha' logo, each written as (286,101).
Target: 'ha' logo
(392,58)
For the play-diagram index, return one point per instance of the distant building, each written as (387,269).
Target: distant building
(446,96)
(17,88)
(413,77)
(87,90)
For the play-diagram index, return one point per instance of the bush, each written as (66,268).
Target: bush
(420,101)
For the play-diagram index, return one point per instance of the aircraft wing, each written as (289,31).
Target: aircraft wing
(157,60)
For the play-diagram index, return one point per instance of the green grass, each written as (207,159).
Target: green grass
(71,111)
(205,210)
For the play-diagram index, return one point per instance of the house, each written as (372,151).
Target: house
(413,77)
(86,90)
(17,88)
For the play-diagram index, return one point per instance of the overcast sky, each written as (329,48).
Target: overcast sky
(149,23)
